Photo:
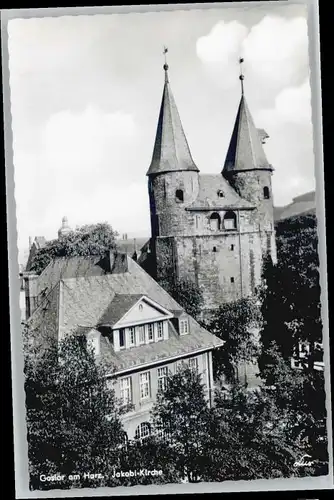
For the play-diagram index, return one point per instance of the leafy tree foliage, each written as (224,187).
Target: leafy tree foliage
(187,294)
(181,413)
(291,313)
(93,239)
(234,323)
(72,416)
(247,438)
(290,294)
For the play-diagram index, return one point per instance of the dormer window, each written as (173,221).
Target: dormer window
(184,326)
(121,338)
(179,195)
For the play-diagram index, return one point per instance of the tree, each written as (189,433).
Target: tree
(301,399)
(93,239)
(234,323)
(72,416)
(247,438)
(290,294)
(187,294)
(181,413)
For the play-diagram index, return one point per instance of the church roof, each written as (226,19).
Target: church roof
(216,193)
(245,150)
(171,152)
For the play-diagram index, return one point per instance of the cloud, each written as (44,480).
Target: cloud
(276,49)
(76,152)
(222,43)
(77,142)
(294,104)
(275,52)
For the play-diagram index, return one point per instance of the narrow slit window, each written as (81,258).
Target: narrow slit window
(266,193)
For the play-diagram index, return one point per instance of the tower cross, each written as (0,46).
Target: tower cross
(165,65)
(241,77)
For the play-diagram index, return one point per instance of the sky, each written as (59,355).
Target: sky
(85,98)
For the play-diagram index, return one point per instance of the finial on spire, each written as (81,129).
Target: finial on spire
(165,65)
(241,77)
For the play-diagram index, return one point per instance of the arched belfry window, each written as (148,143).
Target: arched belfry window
(179,195)
(230,221)
(266,193)
(215,221)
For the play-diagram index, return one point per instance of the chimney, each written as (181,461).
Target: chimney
(30,288)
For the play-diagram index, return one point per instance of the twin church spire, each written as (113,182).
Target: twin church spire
(171,151)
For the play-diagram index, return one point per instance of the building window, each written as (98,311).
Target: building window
(184,326)
(193,364)
(180,364)
(162,378)
(160,330)
(125,390)
(215,221)
(230,221)
(145,390)
(150,332)
(220,194)
(143,431)
(232,279)
(121,338)
(140,307)
(132,334)
(141,334)
(232,247)
(179,195)
(266,193)
(214,249)
(197,218)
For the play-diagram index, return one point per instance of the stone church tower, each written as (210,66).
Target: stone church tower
(213,229)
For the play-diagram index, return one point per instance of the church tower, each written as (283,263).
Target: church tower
(210,229)
(248,171)
(172,183)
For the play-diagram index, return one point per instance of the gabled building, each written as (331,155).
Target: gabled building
(212,229)
(138,331)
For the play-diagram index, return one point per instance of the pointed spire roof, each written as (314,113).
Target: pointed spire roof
(171,152)
(245,151)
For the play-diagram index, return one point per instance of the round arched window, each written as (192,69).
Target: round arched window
(220,193)
(143,431)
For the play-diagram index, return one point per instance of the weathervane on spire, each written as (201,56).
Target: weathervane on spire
(165,65)
(241,77)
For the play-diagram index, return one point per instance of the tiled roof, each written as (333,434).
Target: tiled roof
(171,150)
(119,306)
(78,267)
(86,299)
(176,345)
(245,150)
(81,302)
(209,185)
